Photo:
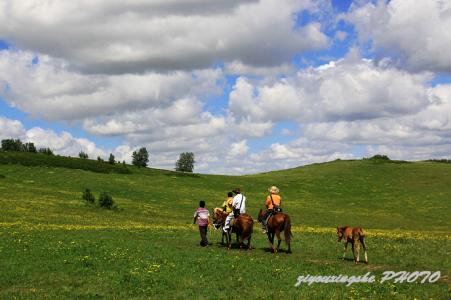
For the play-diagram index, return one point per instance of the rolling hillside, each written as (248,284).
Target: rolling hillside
(53,244)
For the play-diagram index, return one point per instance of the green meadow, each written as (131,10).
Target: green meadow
(54,245)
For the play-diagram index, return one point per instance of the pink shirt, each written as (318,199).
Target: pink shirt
(202,215)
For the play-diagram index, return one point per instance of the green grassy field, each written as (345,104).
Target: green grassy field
(54,245)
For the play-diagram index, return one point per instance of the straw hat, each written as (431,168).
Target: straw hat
(274,190)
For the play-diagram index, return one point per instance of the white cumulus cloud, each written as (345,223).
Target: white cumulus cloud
(135,36)
(416,31)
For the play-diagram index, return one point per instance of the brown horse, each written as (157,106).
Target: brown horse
(219,216)
(276,224)
(242,227)
(355,236)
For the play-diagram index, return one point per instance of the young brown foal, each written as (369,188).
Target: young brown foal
(355,236)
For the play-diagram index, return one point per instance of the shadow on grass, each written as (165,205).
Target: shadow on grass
(233,246)
(182,174)
(351,259)
(268,250)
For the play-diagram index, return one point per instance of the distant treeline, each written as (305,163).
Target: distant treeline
(140,157)
(447,161)
(18,146)
(27,159)
(13,151)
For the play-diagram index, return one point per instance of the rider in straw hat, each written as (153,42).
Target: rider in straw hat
(273,202)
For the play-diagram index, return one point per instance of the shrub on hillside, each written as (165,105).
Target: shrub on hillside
(105,200)
(88,196)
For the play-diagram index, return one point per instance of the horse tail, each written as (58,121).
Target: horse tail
(362,238)
(362,233)
(287,229)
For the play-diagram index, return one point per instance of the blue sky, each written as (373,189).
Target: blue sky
(258,91)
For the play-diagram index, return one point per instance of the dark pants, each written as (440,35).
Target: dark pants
(203,235)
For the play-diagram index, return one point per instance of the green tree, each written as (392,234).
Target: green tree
(46,151)
(83,155)
(111,159)
(185,163)
(29,147)
(140,158)
(12,145)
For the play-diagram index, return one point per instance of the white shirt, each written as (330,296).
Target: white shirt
(237,202)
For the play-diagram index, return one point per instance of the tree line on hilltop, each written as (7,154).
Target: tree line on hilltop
(140,157)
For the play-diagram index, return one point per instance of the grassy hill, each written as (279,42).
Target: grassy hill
(54,245)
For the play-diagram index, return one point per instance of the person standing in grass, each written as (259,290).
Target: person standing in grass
(202,215)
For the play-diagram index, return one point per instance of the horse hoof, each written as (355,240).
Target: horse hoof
(289,252)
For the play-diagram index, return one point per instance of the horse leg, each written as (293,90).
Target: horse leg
(249,243)
(222,237)
(289,246)
(271,241)
(358,250)
(346,249)
(353,251)
(362,241)
(240,241)
(279,240)
(229,240)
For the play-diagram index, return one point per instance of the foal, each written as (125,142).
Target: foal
(355,236)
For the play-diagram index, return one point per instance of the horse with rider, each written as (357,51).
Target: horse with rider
(274,220)
(242,224)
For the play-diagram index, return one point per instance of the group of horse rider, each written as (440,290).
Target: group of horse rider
(236,205)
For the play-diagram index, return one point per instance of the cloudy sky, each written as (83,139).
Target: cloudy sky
(246,85)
